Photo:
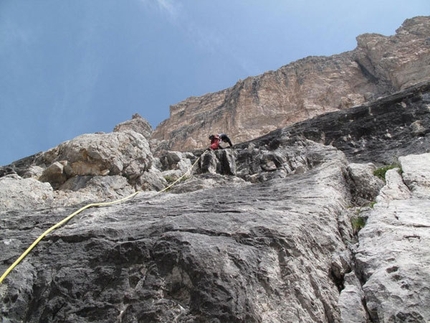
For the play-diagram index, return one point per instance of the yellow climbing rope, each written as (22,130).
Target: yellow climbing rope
(65,220)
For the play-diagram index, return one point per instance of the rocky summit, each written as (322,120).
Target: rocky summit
(326,220)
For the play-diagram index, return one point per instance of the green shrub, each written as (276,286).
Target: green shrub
(380,172)
(170,179)
(357,223)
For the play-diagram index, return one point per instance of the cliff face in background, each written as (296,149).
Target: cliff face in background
(303,89)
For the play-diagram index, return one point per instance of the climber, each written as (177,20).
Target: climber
(215,140)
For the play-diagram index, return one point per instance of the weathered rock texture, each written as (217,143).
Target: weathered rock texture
(137,124)
(87,168)
(303,89)
(392,256)
(268,231)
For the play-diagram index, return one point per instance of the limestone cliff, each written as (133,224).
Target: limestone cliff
(303,89)
(293,226)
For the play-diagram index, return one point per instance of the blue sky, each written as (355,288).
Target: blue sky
(69,67)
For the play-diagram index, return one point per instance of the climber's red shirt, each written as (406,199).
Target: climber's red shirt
(215,142)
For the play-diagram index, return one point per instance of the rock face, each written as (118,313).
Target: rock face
(390,256)
(137,124)
(378,132)
(303,89)
(103,165)
(290,227)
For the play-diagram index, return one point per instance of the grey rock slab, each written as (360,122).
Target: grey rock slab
(393,255)
(20,193)
(394,260)
(237,254)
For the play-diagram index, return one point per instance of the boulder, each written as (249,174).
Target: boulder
(17,193)
(124,153)
(175,160)
(54,174)
(418,182)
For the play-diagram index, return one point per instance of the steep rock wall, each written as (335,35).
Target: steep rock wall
(303,89)
(263,232)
